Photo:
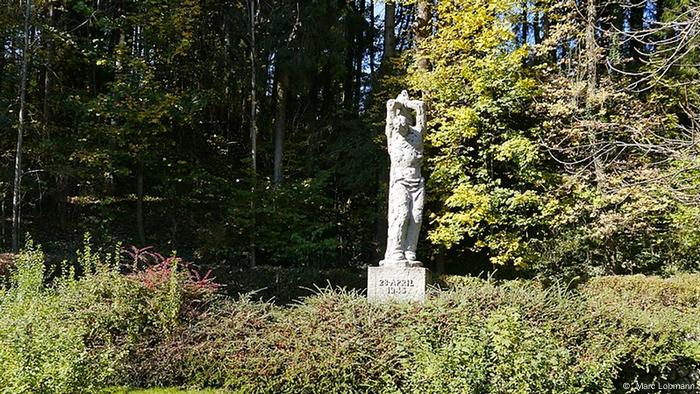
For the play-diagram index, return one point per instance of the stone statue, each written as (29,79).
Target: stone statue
(404,135)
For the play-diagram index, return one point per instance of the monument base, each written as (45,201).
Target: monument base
(387,283)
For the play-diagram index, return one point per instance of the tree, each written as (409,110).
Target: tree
(423,27)
(21,126)
(562,133)
(280,123)
(389,29)
(488,182)
(253,124)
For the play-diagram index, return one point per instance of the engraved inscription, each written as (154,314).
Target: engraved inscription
(399,284)
(396,286)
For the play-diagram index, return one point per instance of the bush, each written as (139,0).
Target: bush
(285,285)
(475,337)
(156,322)
(77,334)
(42,348)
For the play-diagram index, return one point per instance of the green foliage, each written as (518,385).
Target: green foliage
(287,285)
(161,89)
(42,348)
(81,333)
(157,326)
(537,164)
(488,177)
(161,391)
(540,156)
(477,336)
(28,277)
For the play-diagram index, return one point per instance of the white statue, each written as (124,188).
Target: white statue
(404,135)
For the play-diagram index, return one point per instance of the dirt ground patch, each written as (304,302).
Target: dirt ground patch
(6,262)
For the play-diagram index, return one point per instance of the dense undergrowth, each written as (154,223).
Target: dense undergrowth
(156,322)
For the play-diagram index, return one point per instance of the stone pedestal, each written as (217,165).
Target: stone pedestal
(387,283)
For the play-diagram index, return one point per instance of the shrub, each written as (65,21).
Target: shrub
(285,285)
(80,333)
(656,325)
(156,322)
(475,337)
(41,342)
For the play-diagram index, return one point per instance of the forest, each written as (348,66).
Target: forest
(194,196)
(562,134)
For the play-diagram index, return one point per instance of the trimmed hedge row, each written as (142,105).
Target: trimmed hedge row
(285,285)
(160,327)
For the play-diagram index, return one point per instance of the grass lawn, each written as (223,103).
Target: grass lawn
(170,390)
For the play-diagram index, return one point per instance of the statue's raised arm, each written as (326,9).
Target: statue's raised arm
(392,108)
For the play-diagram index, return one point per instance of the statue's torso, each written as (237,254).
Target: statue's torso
(406,151)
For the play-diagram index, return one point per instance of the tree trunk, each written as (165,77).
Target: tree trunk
(2,215)
(228,76)
(591,88)
(280,123)
(536,27)
(658,13)
(253,131)
(17,196)
(359,55)
(47,71)
(61,197)
(2,74)
(637,24)
(348,89)
(371,40)
(2,60)
(389,30)
(139,205)
(591,53)
(422,32)
(525,25)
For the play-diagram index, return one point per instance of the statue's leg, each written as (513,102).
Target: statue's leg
(415,220)
(399,202)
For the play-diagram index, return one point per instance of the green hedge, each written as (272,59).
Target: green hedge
(285,285)
(159,328)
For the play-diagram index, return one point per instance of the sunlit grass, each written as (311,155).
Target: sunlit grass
(167,390)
